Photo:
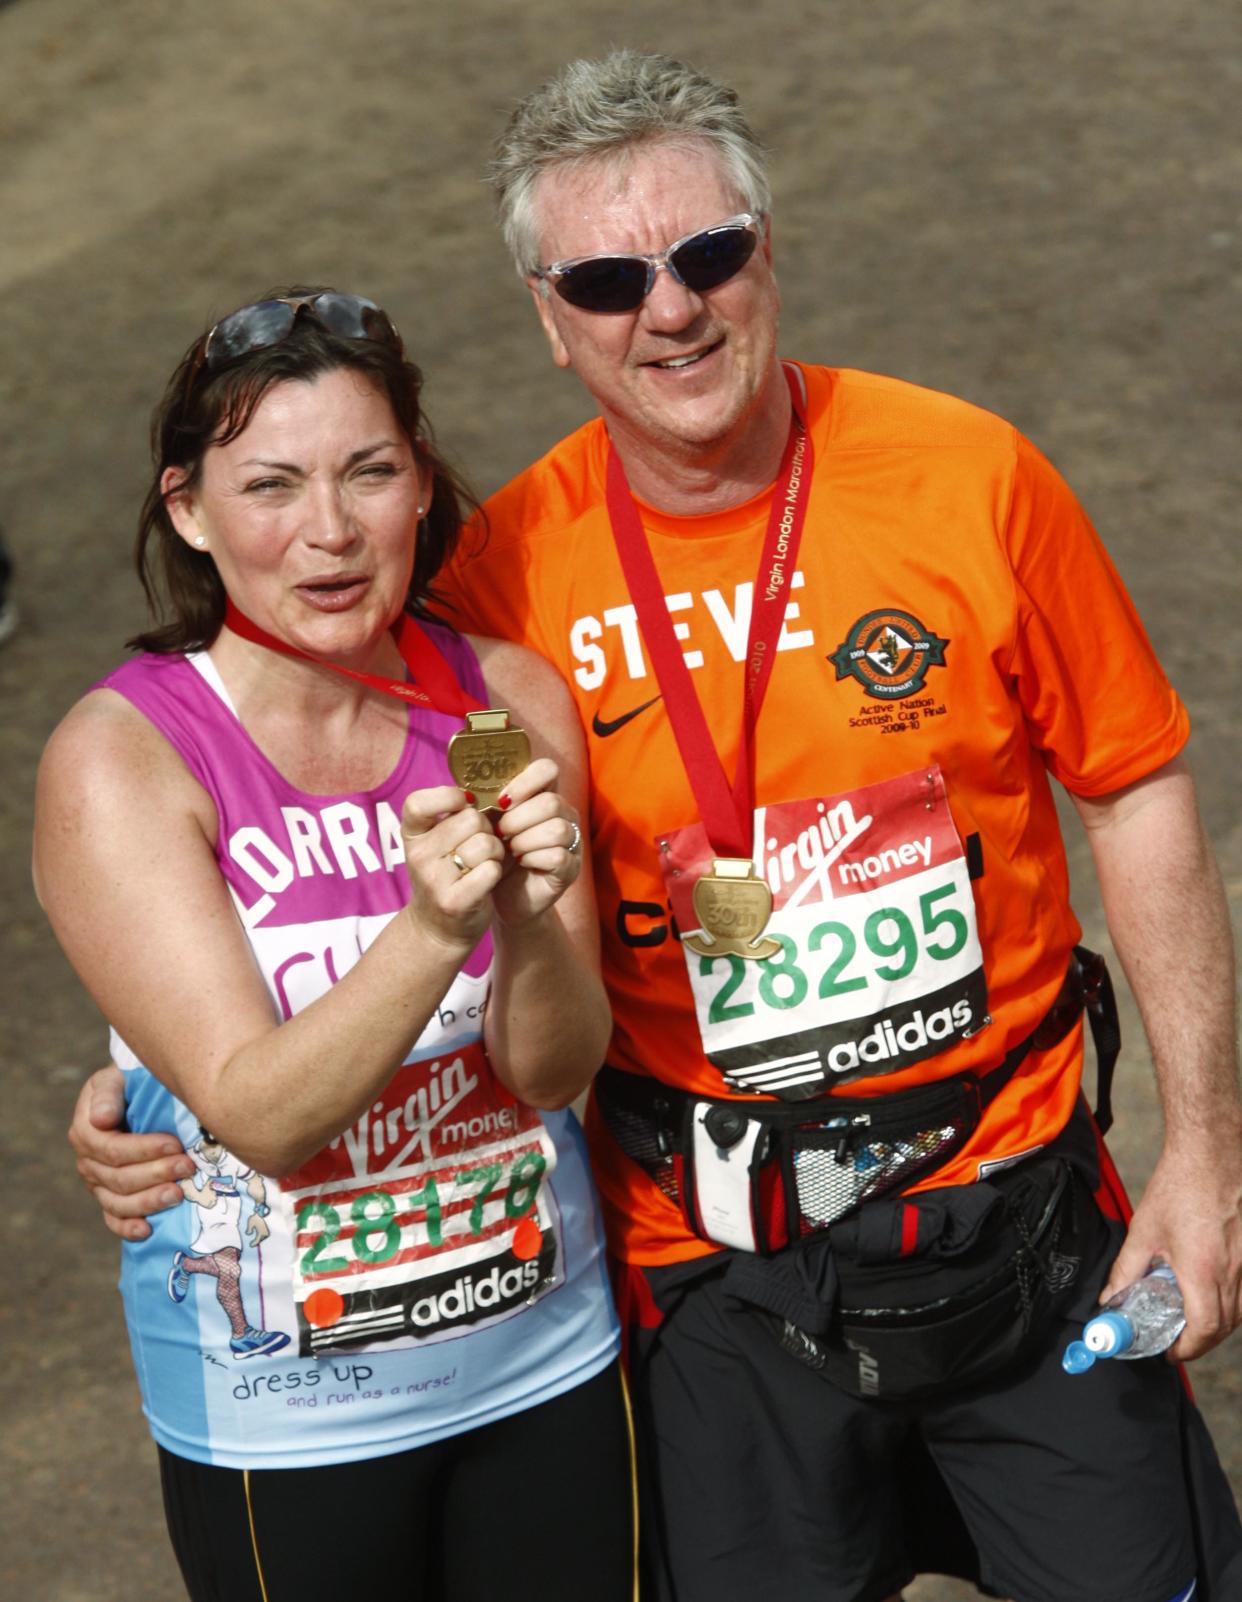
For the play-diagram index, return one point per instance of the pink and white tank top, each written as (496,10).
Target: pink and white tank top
(439,1264)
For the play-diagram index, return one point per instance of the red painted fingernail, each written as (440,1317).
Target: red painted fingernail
(503,801)
(469,795)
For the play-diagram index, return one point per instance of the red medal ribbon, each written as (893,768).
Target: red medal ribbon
(434,683)
(727,810)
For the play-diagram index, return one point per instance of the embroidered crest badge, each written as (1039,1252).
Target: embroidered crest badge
(888,652)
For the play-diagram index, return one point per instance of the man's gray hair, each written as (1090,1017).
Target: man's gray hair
(593,110)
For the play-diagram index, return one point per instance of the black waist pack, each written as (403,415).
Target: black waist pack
(913,1296)
(809,1164)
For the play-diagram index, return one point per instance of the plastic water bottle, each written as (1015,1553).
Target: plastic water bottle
(1140,1321)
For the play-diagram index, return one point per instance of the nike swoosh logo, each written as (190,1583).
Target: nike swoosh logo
(598,726)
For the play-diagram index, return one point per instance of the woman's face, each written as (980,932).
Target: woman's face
(311,514)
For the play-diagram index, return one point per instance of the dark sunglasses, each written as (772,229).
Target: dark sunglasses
(698,262)
(267,322)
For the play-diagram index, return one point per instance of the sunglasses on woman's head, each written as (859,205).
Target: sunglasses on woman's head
(620,283)
(267,322)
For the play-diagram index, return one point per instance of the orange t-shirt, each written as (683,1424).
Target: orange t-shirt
(955,632)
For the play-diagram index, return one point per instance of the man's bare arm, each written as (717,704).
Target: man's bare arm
(1169,922)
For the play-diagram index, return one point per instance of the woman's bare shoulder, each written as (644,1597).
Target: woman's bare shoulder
(535,693)
(104,730)
(106,751)
(521,676)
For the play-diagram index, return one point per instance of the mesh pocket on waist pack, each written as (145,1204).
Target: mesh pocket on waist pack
(830,1181)
(643,1140)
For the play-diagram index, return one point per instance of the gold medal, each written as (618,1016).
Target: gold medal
(486,754)
(733,908)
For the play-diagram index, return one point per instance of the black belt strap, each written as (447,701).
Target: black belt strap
(1100,1001)
(1088,987)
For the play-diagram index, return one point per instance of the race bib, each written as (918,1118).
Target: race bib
(879,965)
(430,1216)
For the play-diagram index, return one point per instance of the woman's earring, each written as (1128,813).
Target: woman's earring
(422,511)
(200,540)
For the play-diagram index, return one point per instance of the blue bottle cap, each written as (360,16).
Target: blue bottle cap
(1078,1358)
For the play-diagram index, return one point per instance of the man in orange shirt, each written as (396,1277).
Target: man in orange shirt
(830,634)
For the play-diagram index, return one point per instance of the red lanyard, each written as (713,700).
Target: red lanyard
(727,810)
(435,684)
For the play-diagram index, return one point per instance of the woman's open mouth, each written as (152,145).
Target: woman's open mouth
(334,594)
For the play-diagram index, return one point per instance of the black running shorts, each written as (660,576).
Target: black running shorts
(760,1478)
(537,1507)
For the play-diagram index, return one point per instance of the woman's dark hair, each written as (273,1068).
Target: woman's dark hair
(203,407)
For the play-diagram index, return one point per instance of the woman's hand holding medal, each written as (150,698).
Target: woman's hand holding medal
(516,859)
(543,840)
(454,861)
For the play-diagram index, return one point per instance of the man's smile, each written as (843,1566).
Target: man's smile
(684,358)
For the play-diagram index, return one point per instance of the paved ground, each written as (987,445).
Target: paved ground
(1033,206)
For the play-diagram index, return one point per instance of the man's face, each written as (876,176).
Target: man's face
(694,409)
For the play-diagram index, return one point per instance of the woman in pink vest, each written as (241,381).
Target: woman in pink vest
(319,862)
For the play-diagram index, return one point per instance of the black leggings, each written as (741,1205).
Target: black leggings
(537,1507)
